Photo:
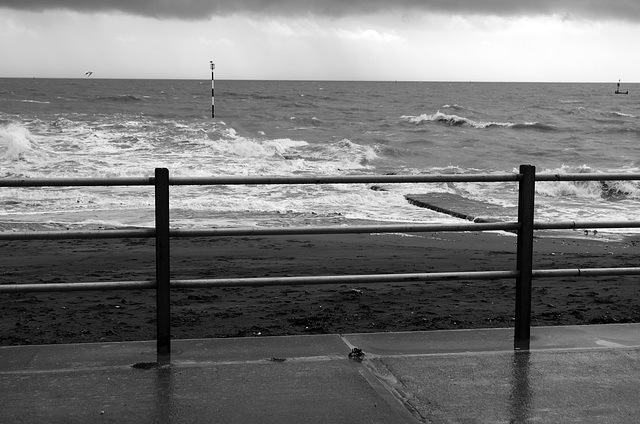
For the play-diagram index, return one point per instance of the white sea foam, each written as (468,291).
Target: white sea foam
(35,101)
(606,190)
(246,147)
(350,129)
(623,115)
(455,120)
(15,141)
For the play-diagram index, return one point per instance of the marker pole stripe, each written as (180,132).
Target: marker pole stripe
(213,95)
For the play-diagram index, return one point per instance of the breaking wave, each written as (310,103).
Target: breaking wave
(459,121)
(605,190)
(15,141)
(127,98)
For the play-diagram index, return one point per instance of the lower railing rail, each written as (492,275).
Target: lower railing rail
(315,280)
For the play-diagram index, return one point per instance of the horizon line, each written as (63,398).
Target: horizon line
(332,80)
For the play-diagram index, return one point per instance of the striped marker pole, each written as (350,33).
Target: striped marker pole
(213,113)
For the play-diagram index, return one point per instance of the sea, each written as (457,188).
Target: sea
(70,128)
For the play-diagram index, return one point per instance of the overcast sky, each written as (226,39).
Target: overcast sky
(422,40)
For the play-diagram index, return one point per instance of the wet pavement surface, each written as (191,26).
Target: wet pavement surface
(586,374)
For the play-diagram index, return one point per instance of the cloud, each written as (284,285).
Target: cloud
(360,34)
(311,29)
(203,9)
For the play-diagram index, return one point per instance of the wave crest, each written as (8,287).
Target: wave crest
(605,190)
(454,121)
(15,141)
(126,98)
(460,121)
(249,147)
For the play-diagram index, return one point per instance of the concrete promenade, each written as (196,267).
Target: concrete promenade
(582,374)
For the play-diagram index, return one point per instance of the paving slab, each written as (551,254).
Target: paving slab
(263,380)
(267,392)
(552,386)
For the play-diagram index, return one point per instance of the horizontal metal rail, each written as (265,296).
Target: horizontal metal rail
(274,180)
(585,272)
(342,279)
(75,182)
(315,280)
(398,278)
(363,229)
(347,179)
(258,282)
(86,286)
(587,177)
(76,235)
(573,225)
(390,179)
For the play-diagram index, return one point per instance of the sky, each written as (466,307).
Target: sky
(403,40)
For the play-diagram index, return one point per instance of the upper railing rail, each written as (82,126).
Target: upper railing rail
(524,227)
(76,182)
(347,179)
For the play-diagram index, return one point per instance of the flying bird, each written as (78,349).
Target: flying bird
(89,73)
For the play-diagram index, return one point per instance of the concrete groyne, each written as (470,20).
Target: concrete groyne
(461,207)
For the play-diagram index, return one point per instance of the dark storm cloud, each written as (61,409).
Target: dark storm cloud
(204,9)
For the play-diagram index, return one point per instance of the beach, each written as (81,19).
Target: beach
(123,315)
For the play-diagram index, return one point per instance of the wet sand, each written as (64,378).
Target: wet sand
(44,318)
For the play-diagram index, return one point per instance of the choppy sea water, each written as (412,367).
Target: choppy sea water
(117,128)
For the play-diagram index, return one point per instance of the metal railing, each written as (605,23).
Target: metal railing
(524,227)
